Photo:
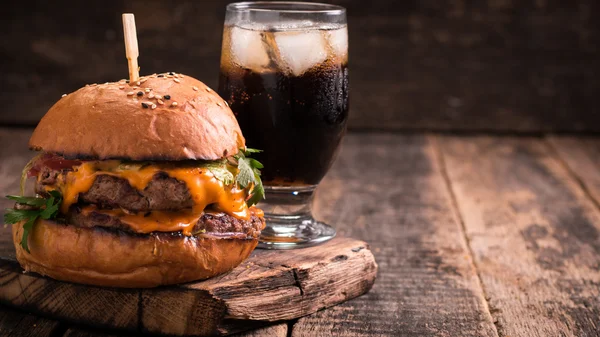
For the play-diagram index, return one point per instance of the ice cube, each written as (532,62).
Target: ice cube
(247,49)
(338,41)
(300,51)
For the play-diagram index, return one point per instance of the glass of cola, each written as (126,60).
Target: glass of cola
(284,73)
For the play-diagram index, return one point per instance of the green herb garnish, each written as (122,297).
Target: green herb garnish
(220,171)
(250,174)
(47,208)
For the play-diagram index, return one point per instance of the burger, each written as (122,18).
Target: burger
(138,184)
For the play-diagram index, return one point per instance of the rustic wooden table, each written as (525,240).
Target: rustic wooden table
(475,235)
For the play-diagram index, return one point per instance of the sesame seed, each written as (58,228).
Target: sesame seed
(176,80)
(87,85)
(144,105)
(105,83)
(169,76)
(64,95)
(167,97)
(139,93)
(159,101)
(134,88)
(226,104)
(121,87)
(218,104)
(208,89)
(148,89)
(174,104)
(160,75)
(151,96)
(195,88)
(138,82)
(153,106)
(158,96)
(130,93)
(181,76)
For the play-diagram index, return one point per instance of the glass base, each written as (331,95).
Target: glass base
(291,237)
(290,223)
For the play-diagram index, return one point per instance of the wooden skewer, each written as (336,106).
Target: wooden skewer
(131,46)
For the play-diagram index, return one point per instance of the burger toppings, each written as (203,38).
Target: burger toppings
(249,175)
(144,197)
(32,208)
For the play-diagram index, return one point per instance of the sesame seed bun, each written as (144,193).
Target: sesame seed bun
(122,120)
(88,255)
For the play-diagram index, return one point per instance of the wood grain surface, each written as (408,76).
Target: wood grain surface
(445,65)
(278,330)
(581,156)
(15,323)
(534,234)
(388,190)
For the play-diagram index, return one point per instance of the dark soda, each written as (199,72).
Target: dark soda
(298,121)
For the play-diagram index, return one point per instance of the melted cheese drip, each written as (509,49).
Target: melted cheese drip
(204,188)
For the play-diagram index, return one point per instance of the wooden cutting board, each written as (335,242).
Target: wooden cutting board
(270,286)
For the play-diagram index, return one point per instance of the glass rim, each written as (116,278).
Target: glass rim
(309,7)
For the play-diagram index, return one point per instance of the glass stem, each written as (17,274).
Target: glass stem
(288,205)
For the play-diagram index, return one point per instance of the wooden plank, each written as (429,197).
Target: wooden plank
(582,157)
(534,233)
(279,330)
(270,286)
(105,307)
(388,190)
(445,65)
(15,323)
(77,332)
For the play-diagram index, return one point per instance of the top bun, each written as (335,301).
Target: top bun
(122,120)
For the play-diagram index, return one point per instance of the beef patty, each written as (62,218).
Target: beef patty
(163,193)
(209,223)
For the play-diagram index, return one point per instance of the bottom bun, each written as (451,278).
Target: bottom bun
(111,258)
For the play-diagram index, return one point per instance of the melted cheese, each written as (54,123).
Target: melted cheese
(204,188)
(155,221)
